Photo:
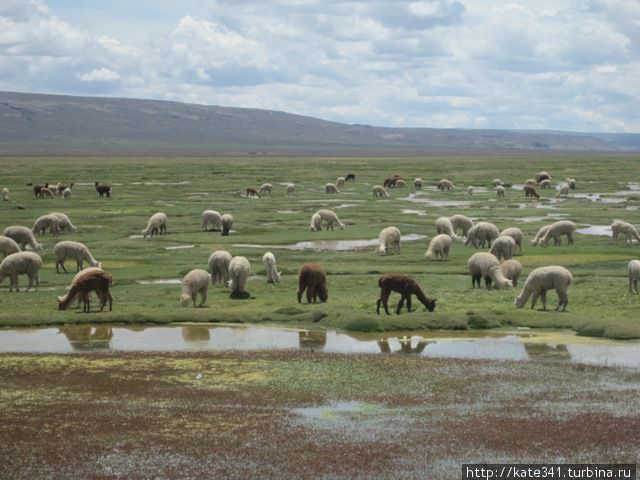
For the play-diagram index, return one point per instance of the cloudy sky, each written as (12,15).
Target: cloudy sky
(530,64)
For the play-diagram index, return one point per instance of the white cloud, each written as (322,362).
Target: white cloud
(99,75)
(440,63)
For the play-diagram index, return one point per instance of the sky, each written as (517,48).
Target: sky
(537,64)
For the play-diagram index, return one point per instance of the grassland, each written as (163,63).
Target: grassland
(184,187)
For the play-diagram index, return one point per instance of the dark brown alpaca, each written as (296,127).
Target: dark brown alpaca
(313,279)
(405,286)
(350,177)
(391,181)
(93,281)
(103,189)
(252,192)
(530,191)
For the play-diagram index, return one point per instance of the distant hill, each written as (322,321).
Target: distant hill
(37,124)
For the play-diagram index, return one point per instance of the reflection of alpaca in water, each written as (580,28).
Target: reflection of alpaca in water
(543,351)
(313,340)
(405,345)
(88,338)
(196,334)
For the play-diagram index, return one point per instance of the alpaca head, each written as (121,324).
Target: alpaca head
(185,298)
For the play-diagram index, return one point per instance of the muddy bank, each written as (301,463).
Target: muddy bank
(305,415)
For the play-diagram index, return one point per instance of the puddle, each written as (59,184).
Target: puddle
(198,194)
(597,197)
(539,205)
(595,230)
(632,209)
(543,218)
(287,211)
(347,205)
(136,236)
(161,281)
(93,184)
(163,204)
(333,245)
(416,197)
(179,247)
(635,186)
(335,410)
(518,345)
(420,213)
(517,186)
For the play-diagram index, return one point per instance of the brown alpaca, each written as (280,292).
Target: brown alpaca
(103,189)
(391,181)
(37,187)
(252,192)
(530,191)
(94,281)
(405,286)
(313,279)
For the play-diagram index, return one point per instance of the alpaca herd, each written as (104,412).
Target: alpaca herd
(496,266)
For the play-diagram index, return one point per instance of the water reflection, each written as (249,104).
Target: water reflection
(519,345)
(84,338)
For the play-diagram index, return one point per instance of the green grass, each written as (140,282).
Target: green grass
(599,302)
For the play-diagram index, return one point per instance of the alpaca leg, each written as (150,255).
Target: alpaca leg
(309,293)
(384,299)
(534,299)
(563,300)
(299,293)
(203,296)
(570,238)
(487,282)
(400,304)
(193,298)
(30,276)
(476,279)
(14,281)
(635,286)
(409,302)
(543,299)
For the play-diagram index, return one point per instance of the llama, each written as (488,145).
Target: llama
(313,279)
(94,280)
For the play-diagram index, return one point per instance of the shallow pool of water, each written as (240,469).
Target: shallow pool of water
(520,345)
(597,197)
(160,281)
(332,245)
(179,247)
(595,230)
(417,197)
(420,213)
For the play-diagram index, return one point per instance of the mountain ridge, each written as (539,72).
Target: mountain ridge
(46,124)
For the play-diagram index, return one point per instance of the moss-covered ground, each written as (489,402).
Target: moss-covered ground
(184,187)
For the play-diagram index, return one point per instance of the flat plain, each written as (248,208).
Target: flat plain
(183,188)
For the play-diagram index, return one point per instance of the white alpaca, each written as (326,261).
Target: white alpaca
(227,222)
(389,239)
(572,183)
(5,194)
(22,236)
(330,218)
(269,261)
(194,282)
(497,182)
(545,183)
(401,183)
(461,221)
(563,190)
(469,191)
(76,250)
(265,188)
(481,233)
(439,246)
(8,246)
(629,231)
(239,271)
(157,224)
(501,192)
(540,281)
(330,188)
(511,269)
(291,188)
(516,234)
(417,183)
(445,184)
(340,182)
(557,229)
(379,191)
(28,263)
(213,218)
(316,223)
(634,275)
(219,267)
(64,223)
(45,222)
(444,225)
(486,265)
(66,193)
(541,233)
(503,247)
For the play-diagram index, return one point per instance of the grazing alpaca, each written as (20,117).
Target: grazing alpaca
(37,187)
(93,281)
(252,192)
(313,279)
(350,177)
(530,191)
(405,286)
